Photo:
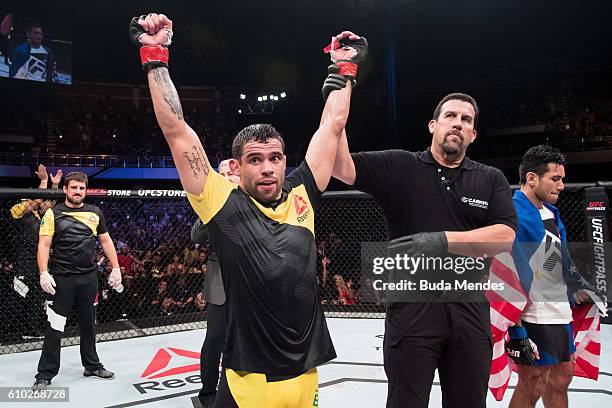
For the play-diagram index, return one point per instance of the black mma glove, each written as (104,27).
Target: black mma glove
(423,243)
(334,81)
(346,55)
(151,56)
(520,347)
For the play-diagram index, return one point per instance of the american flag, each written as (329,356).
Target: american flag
(506,308)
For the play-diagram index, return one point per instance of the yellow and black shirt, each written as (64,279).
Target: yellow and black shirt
(74,232)
(274,319)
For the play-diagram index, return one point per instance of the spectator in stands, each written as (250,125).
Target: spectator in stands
(125,260)
(200,302)
(166,307)
(326,288)
(183,294)
(172,267)
(32,60)
(9,327)
(345,291)
(162,292)
(190,253)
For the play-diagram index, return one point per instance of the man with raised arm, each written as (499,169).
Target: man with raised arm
(262,230)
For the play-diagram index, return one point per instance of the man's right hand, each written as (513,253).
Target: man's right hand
(153,34)
(47,283)
(520,347)
(41,173)
(151,29)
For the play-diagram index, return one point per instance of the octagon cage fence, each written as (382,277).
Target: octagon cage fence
(163,272)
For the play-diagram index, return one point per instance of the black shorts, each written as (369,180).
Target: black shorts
(555,342)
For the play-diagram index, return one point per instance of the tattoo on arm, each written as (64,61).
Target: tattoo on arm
(168,91)
(197,161)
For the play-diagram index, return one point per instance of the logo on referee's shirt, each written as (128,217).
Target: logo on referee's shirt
(474,202)
(300,205)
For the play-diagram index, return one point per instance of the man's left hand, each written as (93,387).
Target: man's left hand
(582,296)
(423,243)
(41,173)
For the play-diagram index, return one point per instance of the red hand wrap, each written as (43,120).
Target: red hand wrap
(154,53)
(347,68)
(333,46)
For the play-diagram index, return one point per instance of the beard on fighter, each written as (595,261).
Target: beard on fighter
(74,199)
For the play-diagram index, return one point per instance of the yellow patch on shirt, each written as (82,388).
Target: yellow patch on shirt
(296,210)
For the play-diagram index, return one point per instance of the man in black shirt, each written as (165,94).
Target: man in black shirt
(71,229)
(27,215)
(437,201)
(262,231)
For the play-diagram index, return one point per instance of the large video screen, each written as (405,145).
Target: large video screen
(34,49)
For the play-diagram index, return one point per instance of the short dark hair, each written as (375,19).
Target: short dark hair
(460,97)
(260,133)
(76,176)
(536,160)
(33,25)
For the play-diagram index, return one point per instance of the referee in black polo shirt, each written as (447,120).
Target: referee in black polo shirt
(437,201)
(71,229)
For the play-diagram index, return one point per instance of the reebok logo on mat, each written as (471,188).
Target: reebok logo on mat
(158,367)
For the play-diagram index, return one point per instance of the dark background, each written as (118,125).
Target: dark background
(508,54)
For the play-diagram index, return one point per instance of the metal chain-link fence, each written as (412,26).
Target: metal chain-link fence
(163,271)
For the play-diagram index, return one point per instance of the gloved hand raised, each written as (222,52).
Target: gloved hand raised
(347,50)
(153,34)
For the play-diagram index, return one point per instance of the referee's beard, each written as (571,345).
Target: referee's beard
(453,149)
